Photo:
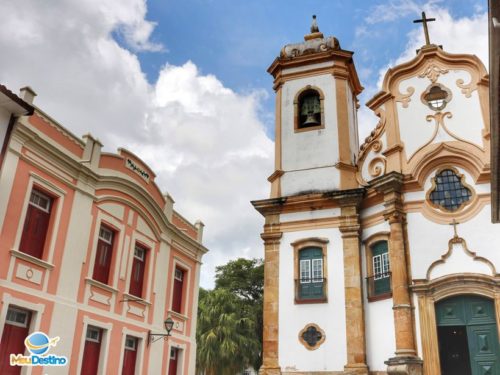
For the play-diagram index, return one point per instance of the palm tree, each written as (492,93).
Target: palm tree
(226,335)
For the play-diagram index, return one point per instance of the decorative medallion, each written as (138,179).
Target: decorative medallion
(436,96)
(312,336)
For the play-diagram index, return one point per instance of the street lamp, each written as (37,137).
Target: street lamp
(169,324)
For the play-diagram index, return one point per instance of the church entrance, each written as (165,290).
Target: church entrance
(468,336)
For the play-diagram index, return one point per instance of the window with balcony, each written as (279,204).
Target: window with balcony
(379,272)
(310,270)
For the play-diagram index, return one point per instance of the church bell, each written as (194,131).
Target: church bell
(311,108)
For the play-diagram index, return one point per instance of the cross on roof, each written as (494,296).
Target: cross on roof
(424,21)
(455,223)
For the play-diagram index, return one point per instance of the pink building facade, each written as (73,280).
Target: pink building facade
(91,251)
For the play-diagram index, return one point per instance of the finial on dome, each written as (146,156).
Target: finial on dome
(315,33)
(314,25)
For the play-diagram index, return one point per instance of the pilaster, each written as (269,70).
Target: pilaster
(405,361)
(355,321)
(270,360)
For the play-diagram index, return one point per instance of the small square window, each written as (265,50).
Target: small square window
(18,317)
(93,334)
(131,343)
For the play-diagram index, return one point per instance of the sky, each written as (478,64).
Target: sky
(183,84)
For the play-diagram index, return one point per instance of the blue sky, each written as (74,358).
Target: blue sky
(183,84)
(236,40)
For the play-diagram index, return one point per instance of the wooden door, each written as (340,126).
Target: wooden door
(16,329)
(92,351)
(172,366)
(475,317)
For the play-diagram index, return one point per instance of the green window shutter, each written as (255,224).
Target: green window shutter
(381,268)
(311,273)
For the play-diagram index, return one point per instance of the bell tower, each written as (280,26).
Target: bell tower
(316,88)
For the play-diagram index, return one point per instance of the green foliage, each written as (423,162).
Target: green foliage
(244,277)
(229,333)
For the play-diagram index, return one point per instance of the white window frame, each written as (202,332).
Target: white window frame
(139,253)
(18,310)
(305,271)
(35,198)
(134,339)
(107,328)
(381,266)
(141,339)
(106,234)
(178,274)
(94,329)
(58,194)
(36,309)
(316,278)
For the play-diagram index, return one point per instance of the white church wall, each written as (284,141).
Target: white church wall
(310,215)
(378,208)
(429,242)
(465,121)
(304,152)
(302,181)
(330,316)
(379,321)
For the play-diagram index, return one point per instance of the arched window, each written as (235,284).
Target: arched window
(309,109)
(449,191)
(310,270)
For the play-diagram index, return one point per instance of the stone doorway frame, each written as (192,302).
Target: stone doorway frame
(429,292)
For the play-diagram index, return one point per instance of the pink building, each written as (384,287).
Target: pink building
(91,252)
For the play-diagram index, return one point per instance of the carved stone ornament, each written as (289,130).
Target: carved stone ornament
(433,72)
(312,336)
(310,46)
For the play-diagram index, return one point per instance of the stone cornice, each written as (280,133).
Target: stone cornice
(271,238)
(306,202)
(388,183)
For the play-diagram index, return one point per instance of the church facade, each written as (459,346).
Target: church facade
(380,258)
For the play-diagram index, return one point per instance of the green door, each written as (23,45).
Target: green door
(468,336)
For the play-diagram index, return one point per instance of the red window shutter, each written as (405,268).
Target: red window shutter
(35,230)
(103,256)
(130,357)
(91,351)
(13,342)
(178,286)
(138,271)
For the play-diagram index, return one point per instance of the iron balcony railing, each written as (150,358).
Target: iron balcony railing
(379,285)
(310,289)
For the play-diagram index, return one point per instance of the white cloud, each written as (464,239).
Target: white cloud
(205,142)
